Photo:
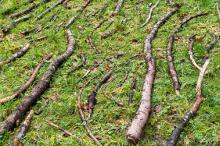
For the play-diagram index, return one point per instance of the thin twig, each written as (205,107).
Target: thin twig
(82,116)
(150,13)
(26,85)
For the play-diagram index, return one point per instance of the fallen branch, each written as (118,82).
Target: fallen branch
(189,115)
(25,86)
(92,97)
(82,116)
(50,123)
(25,11)
(16,55)
(117,8)
(15,23)
(100,24)
(39,88)
(170,59)
(92,44)
(210,46)
(78,12)
(136,129)
(23,130)
(108,34)
(48,10)
(150,13)
(133,87)
(191,56)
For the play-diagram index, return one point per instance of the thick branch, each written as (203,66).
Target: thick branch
(23,129)
(39,88)
(15,23)
(50,123)
(150,13)
(136,129)
(78,12)
(25,86)
(16,55)
(172,69)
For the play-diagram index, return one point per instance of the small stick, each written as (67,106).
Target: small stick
(82,116)
(92,97)
(50,123)
(25,11)
(41,109)
(83,58)
(78,12)
(23,130)
(150,13)
(125,78)
(191,56)
(92,44)
(15,22)
(108,34)
(25,86)
(117,8)
(16,55)
(133,87)
(48,10)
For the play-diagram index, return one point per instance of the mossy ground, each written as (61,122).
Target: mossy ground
(110,121)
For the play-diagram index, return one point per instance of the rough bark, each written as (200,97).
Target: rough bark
(82,116)
(16,55)
(170,59)
(189,115)
(133,87)
(25,11)
(39,88)
(92,97)
(136,129)
(48,10)
(72,19)
(26,85)
(23,129)
(150,13)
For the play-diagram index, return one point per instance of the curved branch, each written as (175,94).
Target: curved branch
(25,86)
(172,69)
(39,88)
(189,115)
(191,56)
(150,13)
(135,131)
(82,116)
